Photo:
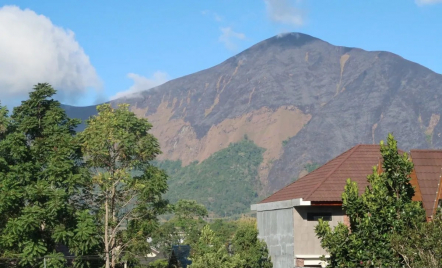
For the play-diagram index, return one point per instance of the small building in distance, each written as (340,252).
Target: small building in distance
(287,218)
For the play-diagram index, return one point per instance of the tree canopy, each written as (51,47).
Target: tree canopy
(126,190)
(40,176)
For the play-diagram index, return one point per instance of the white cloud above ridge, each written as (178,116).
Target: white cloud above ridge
(142,83)
(34,50)
(284,12)
(229,36)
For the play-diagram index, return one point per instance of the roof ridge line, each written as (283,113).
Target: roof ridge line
(299,179)
(331,172)
(303,177)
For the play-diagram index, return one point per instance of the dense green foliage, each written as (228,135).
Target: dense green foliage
(217,244)
(209,251)
(245,250)
(4,121)
(115,142)
(226,183)
(385,209)
(224,229)
(183,228)
(161,263)
(250,249)
(420,244)
(40,177)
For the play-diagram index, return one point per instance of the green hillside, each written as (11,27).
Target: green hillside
(226,183)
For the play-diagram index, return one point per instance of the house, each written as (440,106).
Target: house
(287,218)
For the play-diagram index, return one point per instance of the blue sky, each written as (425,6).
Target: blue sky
(93,51)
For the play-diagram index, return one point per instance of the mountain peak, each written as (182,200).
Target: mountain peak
(286,40)
(295,36)
(300,98)
(292,39)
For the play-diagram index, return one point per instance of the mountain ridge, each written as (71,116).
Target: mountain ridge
(300,98)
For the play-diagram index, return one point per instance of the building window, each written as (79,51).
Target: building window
(315,216)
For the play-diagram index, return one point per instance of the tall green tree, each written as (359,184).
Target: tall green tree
(384,209)
(126,190)
(40,175)
(249,247)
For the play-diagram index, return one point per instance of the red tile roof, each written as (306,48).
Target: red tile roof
(428,167)
(327,182)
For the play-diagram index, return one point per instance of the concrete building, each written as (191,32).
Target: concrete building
(287,218)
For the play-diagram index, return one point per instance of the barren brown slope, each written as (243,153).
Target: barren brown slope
(322,98)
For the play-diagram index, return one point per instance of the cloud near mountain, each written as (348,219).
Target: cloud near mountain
(33,50)
(142,83)
(285,12)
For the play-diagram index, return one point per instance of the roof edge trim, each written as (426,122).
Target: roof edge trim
(298,202)
(305,256)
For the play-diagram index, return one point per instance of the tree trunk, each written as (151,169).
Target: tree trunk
(113,258)
(113,231)
(106,233)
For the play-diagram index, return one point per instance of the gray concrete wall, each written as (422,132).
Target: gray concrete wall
(276,229)
(305,240)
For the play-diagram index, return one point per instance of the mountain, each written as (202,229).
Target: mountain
(301,99)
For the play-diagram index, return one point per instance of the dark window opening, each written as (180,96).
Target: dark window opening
(315,216)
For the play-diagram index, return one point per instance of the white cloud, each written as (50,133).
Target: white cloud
(214,15)
(284,12)
(228,37)
(283,34)
(142,83)
(428,2)
(217,17)
(33,50)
